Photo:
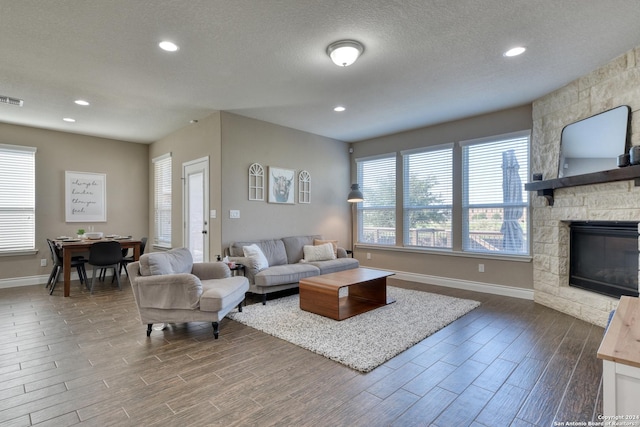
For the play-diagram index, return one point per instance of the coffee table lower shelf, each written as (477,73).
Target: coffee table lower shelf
(366,288)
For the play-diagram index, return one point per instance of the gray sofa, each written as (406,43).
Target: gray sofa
(286,263)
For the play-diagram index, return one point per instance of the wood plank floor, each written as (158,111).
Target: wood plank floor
(86,360)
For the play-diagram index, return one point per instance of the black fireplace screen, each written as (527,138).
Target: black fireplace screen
(604,257)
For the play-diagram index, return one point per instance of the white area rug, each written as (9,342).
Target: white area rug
(362,342)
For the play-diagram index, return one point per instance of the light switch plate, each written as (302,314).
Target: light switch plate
(234,214)
(212,213)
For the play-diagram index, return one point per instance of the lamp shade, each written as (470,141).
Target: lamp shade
(345,52)
(355,195)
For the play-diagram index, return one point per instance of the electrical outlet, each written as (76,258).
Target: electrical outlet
(212,213)
(368,255)
(481,268)
(235,214)
(43,262)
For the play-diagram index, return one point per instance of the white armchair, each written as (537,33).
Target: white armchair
(170,288)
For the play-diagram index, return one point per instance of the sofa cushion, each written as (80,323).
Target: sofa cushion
(334,243)
(294,247)
(272,249)
(335,265)
(318,252)
(284,274)
(174,261)
(217,294)
(257,259)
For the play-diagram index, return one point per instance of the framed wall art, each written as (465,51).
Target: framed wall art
(85,196)
(282,185)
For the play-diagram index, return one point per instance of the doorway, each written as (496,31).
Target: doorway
(195,207)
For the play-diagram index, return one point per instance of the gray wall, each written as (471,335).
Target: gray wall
(246,141)
(192,142)
(498,271)
(233,143)
(125,165)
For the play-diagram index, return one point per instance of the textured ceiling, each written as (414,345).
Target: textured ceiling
(425,61)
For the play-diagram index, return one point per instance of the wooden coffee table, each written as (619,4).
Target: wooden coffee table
(366,289)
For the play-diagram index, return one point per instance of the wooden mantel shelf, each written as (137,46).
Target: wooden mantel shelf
(546,188)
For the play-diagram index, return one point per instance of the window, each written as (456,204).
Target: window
(495,207)
(17,198)
(377,213)
(428,196)
(162,200)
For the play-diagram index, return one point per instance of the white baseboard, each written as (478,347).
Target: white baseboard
(487,288)
(15,282)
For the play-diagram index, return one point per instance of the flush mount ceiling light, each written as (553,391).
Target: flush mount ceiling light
(81,102)
(344,52)
(515,51)
(168,46)
(339,109)
(69,120)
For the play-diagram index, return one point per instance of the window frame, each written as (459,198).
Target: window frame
(407,209)
(162,223)
(364,207)
(525,205)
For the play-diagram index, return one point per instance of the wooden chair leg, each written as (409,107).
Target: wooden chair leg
(240,307)
(216,329)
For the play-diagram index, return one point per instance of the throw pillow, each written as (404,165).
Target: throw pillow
(255,255)
(318,242)
(322,252)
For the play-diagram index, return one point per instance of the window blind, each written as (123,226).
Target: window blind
(428,197)
(377,213)
(495,206)
(17,198)
(162,200)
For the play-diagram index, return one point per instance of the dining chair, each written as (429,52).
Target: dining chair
(105,255)
(56,256)
(129,259)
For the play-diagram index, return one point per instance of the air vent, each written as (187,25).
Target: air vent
(11,101)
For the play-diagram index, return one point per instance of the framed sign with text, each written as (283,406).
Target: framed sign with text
(85,196)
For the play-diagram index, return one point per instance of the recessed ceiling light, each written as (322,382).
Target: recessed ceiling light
(168,46)
(69,119)
(339,109)
(81,102)
(515,51)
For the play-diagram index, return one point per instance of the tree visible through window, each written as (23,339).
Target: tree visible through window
(428,193)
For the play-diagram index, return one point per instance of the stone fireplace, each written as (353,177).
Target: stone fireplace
(616,83)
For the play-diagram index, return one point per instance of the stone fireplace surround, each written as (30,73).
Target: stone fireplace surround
(616,83)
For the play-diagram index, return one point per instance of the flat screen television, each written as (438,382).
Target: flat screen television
(594,144)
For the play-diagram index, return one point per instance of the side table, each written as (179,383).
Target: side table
(237,270)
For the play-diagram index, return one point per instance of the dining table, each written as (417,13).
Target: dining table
(71,246)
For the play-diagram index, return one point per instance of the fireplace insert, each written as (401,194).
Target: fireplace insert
(603,257)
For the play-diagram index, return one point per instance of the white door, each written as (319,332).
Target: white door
(195,206)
